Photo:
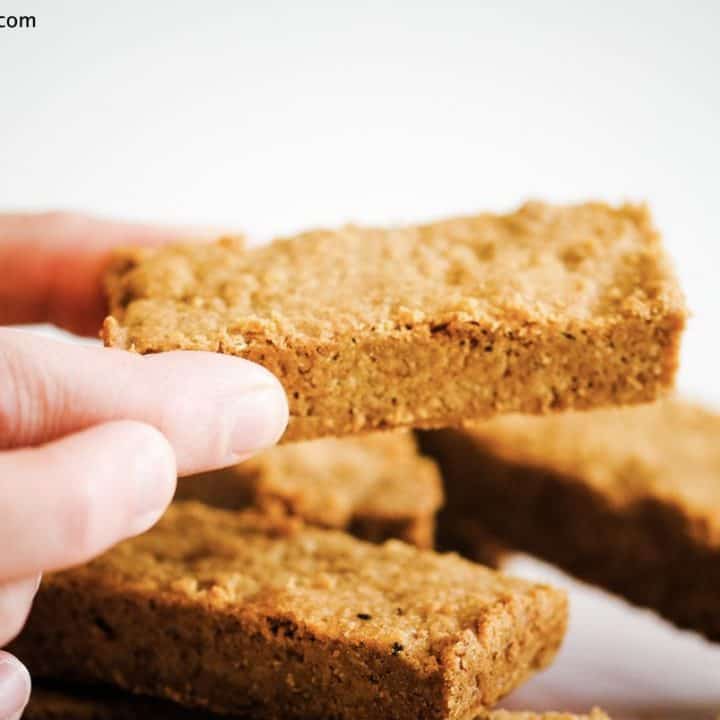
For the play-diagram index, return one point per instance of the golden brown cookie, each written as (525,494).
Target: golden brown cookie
(628,499)
(543,309)
(376,486)
(248,614)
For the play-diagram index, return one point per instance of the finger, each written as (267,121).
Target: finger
(53,263)
(14,687)
(15,601)
(67,501)
(214,409)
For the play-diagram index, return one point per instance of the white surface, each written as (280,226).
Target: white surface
(272,117)
(622,658)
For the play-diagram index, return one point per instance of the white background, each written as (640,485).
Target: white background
(271,117)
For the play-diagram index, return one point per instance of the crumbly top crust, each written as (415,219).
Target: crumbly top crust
(666,451)
(395,596)
(540,263)
(381,474)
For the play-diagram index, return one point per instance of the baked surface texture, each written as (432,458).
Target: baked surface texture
(376,486)
(543,309)
(242,613)
(56,703)
(628,499)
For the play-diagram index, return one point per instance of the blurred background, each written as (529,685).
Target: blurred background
(271,117)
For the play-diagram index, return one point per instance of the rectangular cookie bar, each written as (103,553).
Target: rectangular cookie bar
(627,499)
(463,534)
(259,616)
(376,486)
(546,308)
(61,703)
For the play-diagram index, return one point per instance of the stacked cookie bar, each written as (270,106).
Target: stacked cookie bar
(540,310)
(50,702)
(310,589)
(628,499)
(374,486)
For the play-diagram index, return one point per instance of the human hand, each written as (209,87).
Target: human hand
(92,439)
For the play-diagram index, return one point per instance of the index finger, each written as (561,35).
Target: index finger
(53,264)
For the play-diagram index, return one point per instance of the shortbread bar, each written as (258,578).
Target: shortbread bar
(58,701)
(62,703)
(544,309)
(627,499)
(258,616)
(376,486)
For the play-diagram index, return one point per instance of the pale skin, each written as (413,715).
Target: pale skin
(92,439)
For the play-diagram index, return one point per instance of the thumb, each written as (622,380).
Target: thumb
(214,409)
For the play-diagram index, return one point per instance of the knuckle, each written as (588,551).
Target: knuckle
(14,397)
(29,402)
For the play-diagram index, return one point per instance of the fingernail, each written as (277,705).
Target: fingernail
(142,523)
(153,469)
(261,416)
(14,688)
